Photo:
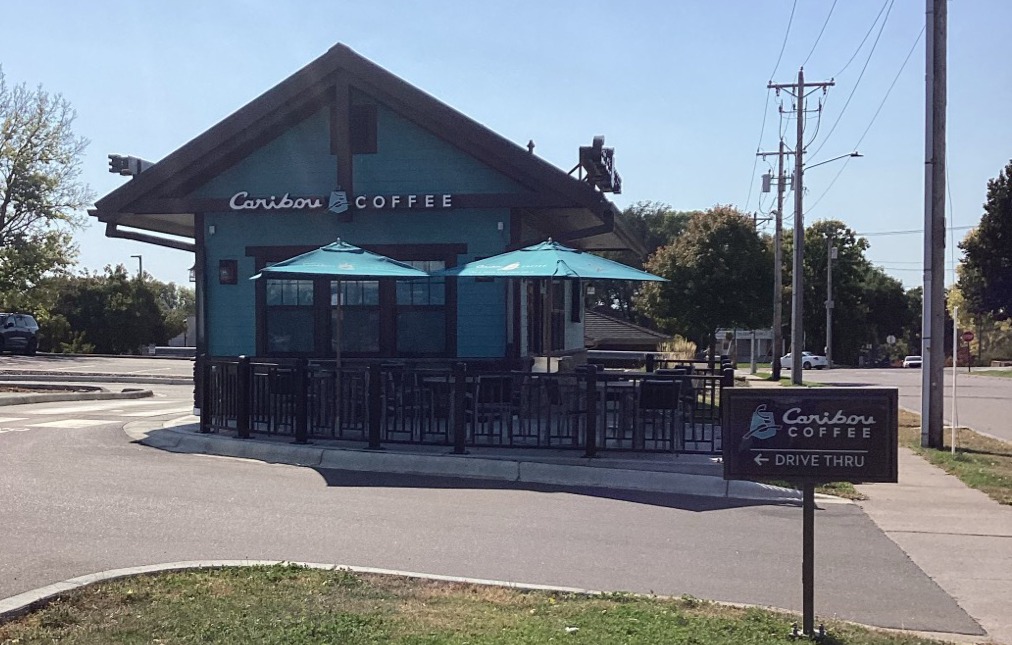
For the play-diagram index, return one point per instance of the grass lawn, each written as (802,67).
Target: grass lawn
(785,379)
(997,373)
(289,605)
(980,462)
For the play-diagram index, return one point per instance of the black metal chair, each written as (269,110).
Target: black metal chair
(659,415)
(492,409)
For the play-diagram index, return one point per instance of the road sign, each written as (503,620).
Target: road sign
(967,336)
(891,339)
(816,435)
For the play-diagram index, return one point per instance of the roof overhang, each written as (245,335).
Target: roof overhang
(156,199)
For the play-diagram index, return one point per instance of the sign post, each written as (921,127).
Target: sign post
(809,437)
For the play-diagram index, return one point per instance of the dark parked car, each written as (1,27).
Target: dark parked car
(18,333)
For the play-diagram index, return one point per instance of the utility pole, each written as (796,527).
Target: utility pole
(830,256)
(797,279)
(778,263)
(933,315)
(140,266)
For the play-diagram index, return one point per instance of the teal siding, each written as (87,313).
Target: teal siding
(481,326)
(297,162)
(410,159)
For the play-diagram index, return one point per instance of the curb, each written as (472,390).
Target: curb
(60,377)
(20,399)
(29,601)
(499,468)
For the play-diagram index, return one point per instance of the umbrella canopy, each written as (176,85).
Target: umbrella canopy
(342,260)
(549,260)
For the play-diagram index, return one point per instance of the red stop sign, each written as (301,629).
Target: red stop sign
(967,336)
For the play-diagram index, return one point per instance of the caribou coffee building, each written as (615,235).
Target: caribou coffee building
(344,149)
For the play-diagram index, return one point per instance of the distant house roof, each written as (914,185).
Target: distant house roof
(601,331)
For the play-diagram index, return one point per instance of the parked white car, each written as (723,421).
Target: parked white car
(912,361)
(808,361)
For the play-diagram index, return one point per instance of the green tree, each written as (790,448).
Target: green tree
(987,252)
(720,272)
(177,303)
(869,305)
(654,223)
(40,195)
(113,313)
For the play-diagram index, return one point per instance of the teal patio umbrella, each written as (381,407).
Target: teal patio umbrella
(340,260)
(549,260)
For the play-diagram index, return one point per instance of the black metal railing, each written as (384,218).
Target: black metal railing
(672,409)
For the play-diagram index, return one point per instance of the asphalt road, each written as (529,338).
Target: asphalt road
(74,365)
(982,402)
(78,500)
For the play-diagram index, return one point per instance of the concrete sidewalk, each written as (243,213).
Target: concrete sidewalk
(959,536)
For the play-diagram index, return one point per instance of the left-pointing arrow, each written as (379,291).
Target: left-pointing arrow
(760,460)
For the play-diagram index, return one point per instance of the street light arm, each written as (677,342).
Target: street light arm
(849,154)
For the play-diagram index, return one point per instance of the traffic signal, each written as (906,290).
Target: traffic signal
(119,165)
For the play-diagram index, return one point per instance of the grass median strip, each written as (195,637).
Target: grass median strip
(291,604)
(980,462)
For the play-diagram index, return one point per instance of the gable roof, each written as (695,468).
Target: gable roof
(156,199)
(601,330)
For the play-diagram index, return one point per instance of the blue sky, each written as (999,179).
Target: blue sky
(678,88)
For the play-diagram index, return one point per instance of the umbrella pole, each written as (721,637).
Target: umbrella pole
(337,363)
(549,318)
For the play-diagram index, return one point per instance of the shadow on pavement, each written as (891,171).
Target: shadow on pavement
(695,503)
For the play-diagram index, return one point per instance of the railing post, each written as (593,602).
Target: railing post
(301,404)
(728,380)
(458,410)
(591,423)
(205,398)
(198,381)
(242,398)
(375,392)
(651,362)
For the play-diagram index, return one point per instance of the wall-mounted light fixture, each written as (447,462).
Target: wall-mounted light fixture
(228,272)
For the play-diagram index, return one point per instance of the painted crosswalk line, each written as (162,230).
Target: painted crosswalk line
(161,411)
(71,423)
(11,419)
(94,407)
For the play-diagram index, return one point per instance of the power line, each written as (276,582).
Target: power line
(863,40)
(910,231)
(873,118)
(762,129)
(821,31)
(891,85)
(787,33)
(858,81)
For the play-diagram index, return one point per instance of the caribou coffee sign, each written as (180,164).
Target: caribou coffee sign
(242,201)
(338,202)
(824,434)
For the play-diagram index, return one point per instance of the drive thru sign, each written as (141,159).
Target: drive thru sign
(810,435)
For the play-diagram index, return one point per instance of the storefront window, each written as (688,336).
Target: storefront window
(360,316)
(421,312)
(289,319)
